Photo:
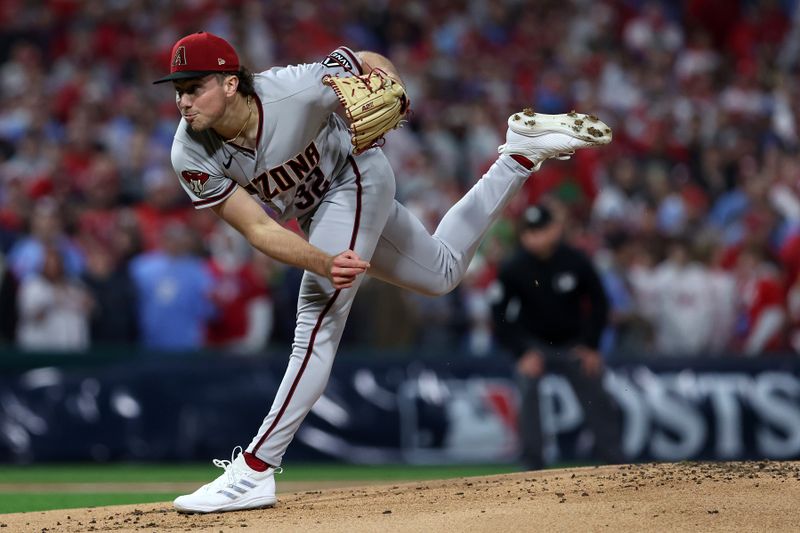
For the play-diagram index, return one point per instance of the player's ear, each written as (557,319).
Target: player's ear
(231,84)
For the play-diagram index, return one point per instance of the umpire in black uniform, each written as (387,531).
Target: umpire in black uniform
(549,311)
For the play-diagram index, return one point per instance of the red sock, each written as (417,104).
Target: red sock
(522,160)
(255,463)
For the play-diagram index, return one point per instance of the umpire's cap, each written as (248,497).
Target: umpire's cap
(200,54)
(536,217)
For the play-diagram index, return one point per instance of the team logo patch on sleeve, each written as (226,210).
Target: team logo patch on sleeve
(337,58)
(196,180)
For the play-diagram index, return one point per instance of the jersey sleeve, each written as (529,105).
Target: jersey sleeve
(303,83)
(342,62)
(205,184)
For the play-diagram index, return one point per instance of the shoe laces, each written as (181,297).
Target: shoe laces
(231,474)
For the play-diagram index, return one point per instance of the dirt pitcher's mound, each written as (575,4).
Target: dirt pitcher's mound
(752,496)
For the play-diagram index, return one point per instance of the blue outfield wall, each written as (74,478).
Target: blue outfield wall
(182,408)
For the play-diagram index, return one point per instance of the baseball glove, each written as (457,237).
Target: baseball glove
(374,103)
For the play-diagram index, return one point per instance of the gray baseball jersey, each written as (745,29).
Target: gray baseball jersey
(301,142)
(303,167)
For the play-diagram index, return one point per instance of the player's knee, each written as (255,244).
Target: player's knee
(439,287)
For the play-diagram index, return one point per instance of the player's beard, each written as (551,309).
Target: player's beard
(198,122)
(206,121)
(202,121)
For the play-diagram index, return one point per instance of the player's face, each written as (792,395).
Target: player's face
(201,101)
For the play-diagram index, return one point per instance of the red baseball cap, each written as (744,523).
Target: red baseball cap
(200,54)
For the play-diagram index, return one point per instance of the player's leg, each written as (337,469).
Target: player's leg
(351,216)
(408,256)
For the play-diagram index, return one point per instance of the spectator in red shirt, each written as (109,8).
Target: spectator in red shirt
(762,311)
(163,203)
(243,322)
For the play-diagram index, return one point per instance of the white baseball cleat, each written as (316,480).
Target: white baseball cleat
(238,488)
(540,137)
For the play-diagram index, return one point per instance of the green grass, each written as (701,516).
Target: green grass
(149,473)
(104,473)
(28,502)
(11,502)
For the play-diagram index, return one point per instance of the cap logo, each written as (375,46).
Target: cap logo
(179,59)
(220,61)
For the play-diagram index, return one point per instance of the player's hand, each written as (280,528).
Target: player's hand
(531,364)
(591,360)
(344,268)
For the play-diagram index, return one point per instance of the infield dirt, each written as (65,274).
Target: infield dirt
(749,496)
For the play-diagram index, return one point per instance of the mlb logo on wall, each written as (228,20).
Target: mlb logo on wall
(196,180)
(470,419)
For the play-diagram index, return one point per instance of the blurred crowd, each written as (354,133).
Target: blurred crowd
(692,214)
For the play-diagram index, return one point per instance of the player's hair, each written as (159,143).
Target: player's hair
(246,85)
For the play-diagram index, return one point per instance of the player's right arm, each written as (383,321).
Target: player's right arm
(207,186)
(242,212)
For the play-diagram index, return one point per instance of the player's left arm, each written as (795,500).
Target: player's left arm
(374,102)
(372,60)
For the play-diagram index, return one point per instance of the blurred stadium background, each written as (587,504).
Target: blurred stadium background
(167,337)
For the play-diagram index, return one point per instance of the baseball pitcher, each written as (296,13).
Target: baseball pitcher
(305,140)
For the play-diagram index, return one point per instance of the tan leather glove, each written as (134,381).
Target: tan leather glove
(374,103)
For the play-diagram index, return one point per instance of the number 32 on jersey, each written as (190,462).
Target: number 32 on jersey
(301,173)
